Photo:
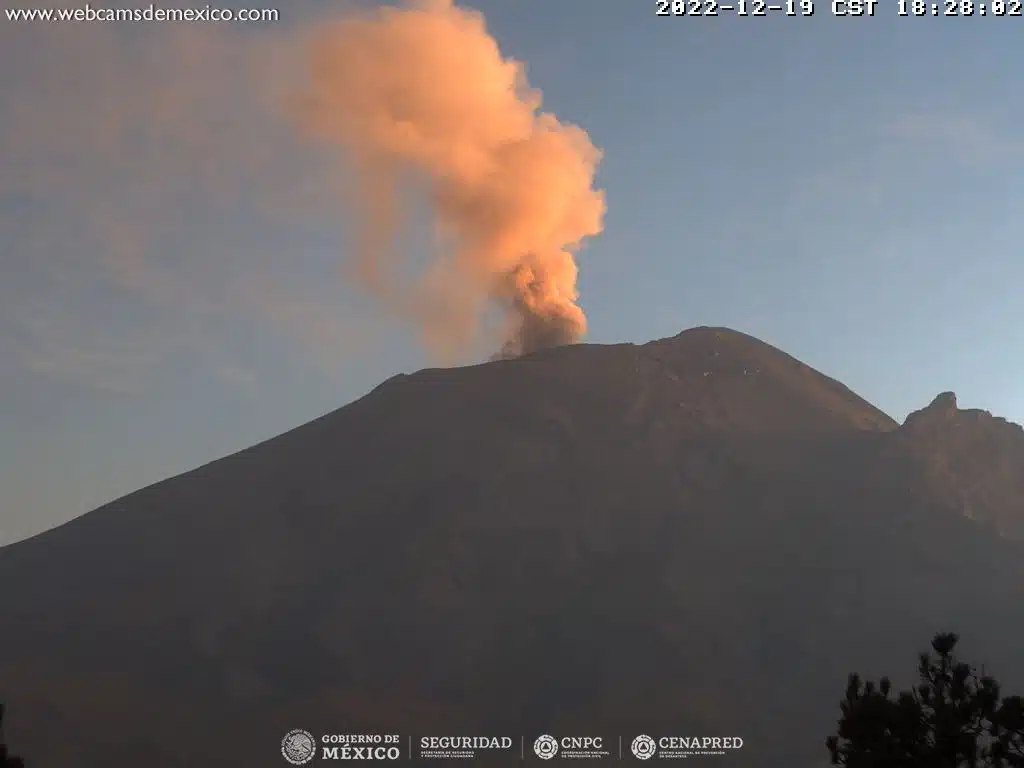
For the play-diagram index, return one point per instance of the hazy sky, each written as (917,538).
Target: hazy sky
(171,288)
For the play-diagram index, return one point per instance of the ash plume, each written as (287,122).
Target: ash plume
(425,108)
(128,134)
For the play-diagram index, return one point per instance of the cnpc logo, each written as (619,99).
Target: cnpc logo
(547,746)
(580,742)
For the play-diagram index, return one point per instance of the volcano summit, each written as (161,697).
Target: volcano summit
(696,536)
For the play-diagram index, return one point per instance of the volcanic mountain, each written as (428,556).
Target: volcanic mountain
(696,536)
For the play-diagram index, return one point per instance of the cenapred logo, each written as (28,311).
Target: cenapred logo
(644,747)
(298,746)
(546,747)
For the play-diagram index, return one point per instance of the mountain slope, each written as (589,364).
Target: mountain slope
(699,535)
(972,458)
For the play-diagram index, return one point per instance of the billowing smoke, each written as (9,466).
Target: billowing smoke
(425,108)
(137,138)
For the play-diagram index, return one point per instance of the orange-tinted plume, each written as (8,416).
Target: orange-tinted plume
(425,107)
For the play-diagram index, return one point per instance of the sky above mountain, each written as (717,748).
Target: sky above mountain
(845,189)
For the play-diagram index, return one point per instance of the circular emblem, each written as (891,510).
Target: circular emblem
(298,746)
(644,747)
(546,747)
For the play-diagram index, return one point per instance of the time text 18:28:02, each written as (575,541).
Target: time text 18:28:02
(960,8)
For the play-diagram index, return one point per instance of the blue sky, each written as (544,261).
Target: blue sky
(846,189)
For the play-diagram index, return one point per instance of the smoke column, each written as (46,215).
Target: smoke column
(425,108)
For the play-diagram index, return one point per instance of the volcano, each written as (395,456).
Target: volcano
(696,536)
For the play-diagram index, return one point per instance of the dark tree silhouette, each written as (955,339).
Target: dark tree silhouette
(952,719)
(7,760)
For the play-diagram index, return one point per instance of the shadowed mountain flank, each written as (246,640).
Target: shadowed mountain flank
(696,536)
(972,459)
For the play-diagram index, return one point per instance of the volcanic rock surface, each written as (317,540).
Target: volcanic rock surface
(696,536)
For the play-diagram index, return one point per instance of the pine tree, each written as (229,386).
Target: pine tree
(952,719)
(1007,732)
(7,760)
